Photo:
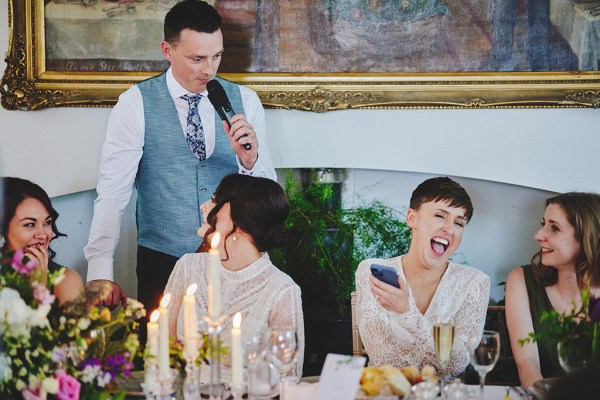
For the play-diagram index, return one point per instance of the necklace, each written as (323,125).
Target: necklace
(563,297)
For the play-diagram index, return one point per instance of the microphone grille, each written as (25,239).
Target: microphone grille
(216,93)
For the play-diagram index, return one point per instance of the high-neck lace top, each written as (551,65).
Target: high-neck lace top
(262,293)
(407,339)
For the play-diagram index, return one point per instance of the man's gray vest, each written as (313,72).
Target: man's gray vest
(171,182)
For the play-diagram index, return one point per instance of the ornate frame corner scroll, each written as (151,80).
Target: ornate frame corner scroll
(28,85)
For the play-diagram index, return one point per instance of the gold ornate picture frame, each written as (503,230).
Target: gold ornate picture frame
(31,83)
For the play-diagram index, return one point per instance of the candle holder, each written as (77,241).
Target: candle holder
(150,386)
(166,382)
(191,384)
(215,326)
(237,391)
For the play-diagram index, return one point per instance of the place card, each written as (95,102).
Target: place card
(340,377)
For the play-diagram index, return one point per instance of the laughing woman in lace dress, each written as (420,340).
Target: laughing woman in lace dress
(396,324)
(249,213)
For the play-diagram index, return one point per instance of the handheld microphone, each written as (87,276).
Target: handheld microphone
(219,100)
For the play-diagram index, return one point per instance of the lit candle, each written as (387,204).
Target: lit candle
(237,374)
(163,336)
(190,317)
(214,282)
(152,342)
(190,323)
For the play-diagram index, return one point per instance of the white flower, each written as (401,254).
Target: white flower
(134,308)
(104,379)
(16,317)
(83,323)
(50,385)
(5,371)
(89,373)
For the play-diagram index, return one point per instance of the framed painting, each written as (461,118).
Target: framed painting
(319,55)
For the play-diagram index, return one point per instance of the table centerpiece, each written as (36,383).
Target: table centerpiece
(62,352)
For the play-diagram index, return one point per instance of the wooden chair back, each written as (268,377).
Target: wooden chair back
(357,345)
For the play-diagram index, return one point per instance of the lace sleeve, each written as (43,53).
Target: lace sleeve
(175,286)
(469,321)
(390,338)
(287,310)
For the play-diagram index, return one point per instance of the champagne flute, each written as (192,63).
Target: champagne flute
(443,340)
(283,346)
(485,355)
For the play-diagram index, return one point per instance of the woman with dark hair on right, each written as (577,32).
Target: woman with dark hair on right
(249,213)
(567,263)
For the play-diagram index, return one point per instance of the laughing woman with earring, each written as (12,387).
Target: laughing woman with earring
(568,263)
(29,223)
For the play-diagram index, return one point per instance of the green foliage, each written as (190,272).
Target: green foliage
(326,243)
(575,329)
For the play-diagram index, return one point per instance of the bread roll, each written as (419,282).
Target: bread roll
(372,381)
(396,379)
(412,374)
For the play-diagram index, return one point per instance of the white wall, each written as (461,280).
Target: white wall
(500,154)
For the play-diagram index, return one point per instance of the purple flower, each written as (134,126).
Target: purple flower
(594,309)
(117,364)
(68,386)
(17,263)
(42,294)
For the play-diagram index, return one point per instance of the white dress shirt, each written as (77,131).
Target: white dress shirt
(121,154)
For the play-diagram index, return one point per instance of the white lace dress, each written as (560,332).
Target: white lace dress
(262,293)
(407,339)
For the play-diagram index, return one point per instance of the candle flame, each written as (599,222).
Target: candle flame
(237,320)
(191,289)
(154,316)
(215,240)
(165,300)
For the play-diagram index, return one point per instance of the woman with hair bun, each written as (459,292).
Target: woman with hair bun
(249,213)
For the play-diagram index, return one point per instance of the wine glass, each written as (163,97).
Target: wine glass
(485,355)
(443,340)
(257,367)
(283,346)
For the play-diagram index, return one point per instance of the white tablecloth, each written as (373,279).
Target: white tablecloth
(305,391)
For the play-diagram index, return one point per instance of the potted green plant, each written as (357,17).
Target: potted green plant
(325,245)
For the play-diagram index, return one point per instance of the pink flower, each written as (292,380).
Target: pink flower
(594,309)
(33,392)
(68,387)
(42,294)
(17,263)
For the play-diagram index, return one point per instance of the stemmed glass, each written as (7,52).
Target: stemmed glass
(485,355)
(283,346)
(255,351)
(443,340)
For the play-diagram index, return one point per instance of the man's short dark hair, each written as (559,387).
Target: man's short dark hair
(190,14)
(442,189)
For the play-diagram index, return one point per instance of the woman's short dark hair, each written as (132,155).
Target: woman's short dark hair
(196,15)
(258,206)
(583,214)
(14,191)
(442,189)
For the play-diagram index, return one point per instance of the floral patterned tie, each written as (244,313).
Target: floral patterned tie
(194,133)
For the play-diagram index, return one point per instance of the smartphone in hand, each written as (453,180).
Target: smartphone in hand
(385,274)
